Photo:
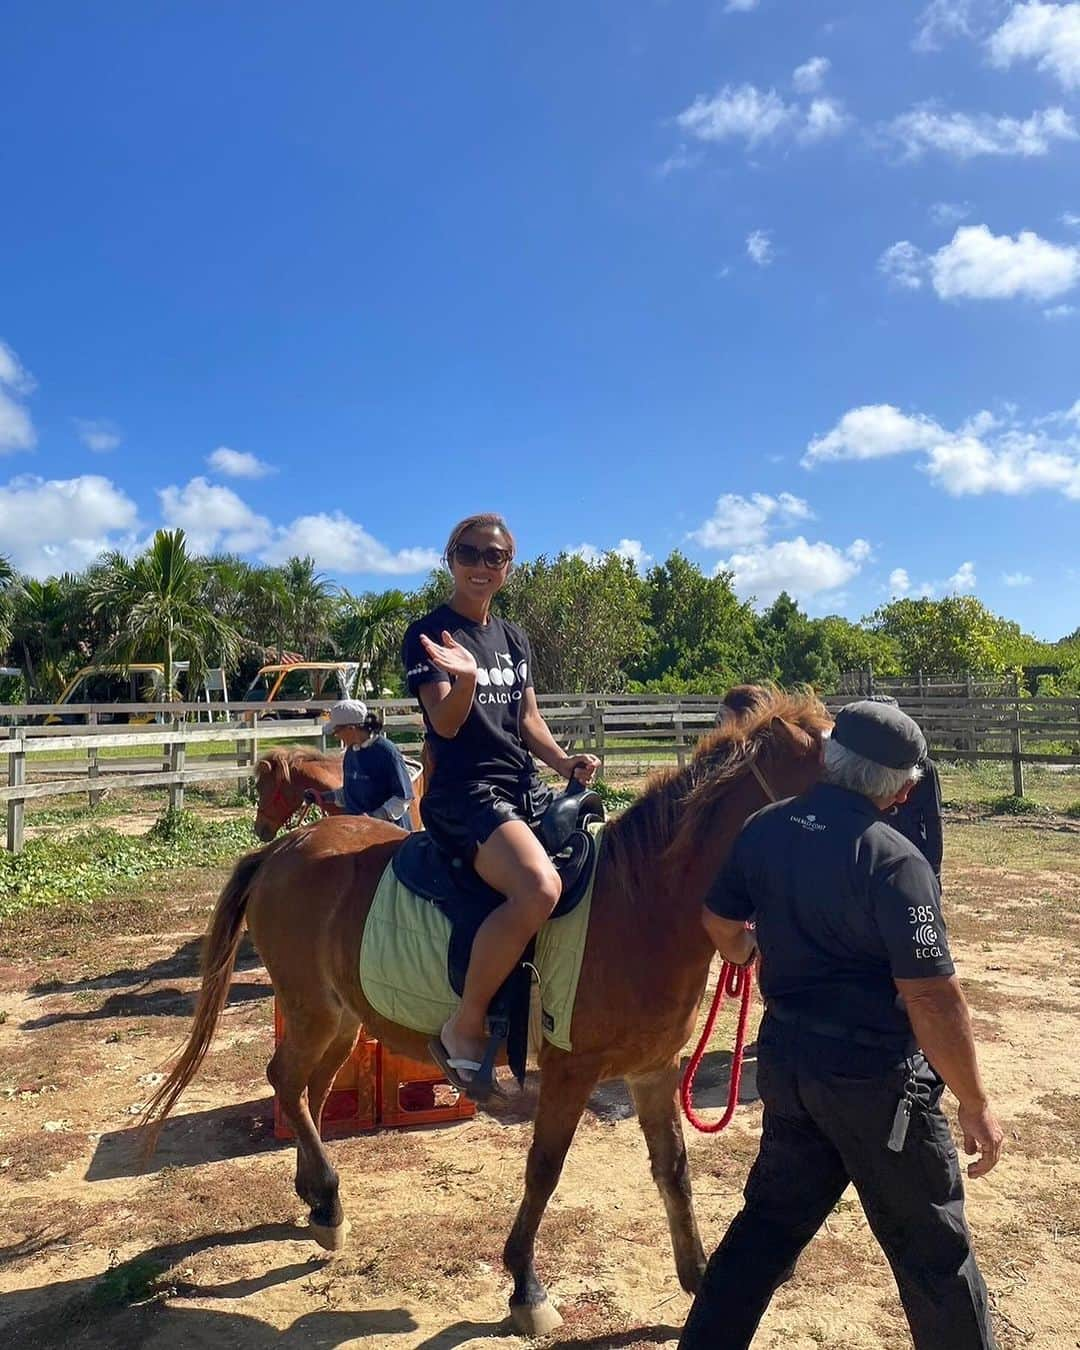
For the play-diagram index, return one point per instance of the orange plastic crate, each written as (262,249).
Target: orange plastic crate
(352,1104)
(415,1093)
(374,1087)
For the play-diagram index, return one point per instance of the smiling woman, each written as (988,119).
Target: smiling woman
(472,673)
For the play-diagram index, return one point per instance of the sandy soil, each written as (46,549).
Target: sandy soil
(203,1248)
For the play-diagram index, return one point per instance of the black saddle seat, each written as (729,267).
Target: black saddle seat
(453,885)
(466,900)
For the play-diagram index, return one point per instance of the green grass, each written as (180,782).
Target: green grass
(99,862)
(980,785)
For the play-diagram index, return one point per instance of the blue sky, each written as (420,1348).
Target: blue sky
(792,285)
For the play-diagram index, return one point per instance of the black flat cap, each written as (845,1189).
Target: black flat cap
(880,732)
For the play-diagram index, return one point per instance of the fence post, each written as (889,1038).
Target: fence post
(680,739)
(596,719)
(1017,745)
(16,809)
(241,762)
(93,768)
(177,759)
(254,739)
(324,736)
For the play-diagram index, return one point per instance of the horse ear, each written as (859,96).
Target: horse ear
(793,739)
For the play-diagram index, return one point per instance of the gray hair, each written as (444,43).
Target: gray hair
(844,768)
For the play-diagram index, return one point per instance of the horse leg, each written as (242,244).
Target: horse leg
(563,1094)
(309,1035)
(656,1097)
(324,1073)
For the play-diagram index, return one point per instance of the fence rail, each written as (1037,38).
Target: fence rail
(649,728)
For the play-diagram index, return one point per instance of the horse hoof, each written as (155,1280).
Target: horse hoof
(534,1319)
(331,1239)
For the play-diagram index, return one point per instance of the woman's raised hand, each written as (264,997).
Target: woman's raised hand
(449,655)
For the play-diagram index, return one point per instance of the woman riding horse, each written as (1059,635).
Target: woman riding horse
(472,673)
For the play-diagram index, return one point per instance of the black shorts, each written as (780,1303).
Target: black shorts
(461,820)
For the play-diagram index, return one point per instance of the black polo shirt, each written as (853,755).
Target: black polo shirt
(843,904)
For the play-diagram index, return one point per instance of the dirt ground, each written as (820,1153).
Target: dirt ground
(204,1249)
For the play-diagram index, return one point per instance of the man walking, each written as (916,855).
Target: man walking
(865,1022)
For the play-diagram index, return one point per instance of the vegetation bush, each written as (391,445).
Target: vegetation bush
(97,862)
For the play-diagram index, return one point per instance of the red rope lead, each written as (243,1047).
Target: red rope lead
(738,981)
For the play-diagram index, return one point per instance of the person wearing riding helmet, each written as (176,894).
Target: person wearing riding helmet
(472,673)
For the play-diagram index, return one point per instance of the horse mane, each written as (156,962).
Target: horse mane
(670,817)
(282,759)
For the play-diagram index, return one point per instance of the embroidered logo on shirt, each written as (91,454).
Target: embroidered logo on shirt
(809,822)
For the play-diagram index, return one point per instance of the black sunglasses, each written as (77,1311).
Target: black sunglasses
(469,555)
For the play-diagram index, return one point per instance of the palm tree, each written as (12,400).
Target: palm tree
(309,604)
(7,586)
(369,629)
(159,603)
(41,631)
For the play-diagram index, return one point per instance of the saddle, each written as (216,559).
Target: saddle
(452,884)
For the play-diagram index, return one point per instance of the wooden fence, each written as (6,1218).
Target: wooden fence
(648,729)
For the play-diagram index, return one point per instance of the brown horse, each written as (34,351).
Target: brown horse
(286,772)
(306,897)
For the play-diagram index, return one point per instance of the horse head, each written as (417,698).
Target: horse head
(282,776)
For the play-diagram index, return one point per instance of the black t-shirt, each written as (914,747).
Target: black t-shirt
(919,819)
(488,748)
(842,904)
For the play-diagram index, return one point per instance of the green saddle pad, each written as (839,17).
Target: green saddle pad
(404,951)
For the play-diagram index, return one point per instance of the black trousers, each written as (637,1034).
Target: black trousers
(822,1130)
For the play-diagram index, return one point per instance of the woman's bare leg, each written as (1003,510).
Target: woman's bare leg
(512,861)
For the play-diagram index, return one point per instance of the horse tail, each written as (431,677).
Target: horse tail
(218,959)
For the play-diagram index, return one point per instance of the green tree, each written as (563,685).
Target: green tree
(855,647)
(700,637)
(159,602)
(798,647)
(584,620)
(956,635)
(7,588)
(308,602)
(43,635)
(369,629)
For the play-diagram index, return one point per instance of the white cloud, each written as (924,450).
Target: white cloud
(984,454)
(872,432)
(737,112)
(16,428)
(949,213)
(903,264)
(58,525)
(737,522)
(214,518)
(238,463)
(967,135)
(963,579)
(810,76)
(340,544)
(101,437)
(632,549)
(978,265)
(1048,34)
(759,247)
(741,6)
(825,117)
(801,568)
(752,115)
(1070,218)
(680,158)
(940,21)
(1016,463)
(1016,579)
(899,583)
(1059,312)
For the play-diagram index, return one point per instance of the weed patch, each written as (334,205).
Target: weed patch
(99,862)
